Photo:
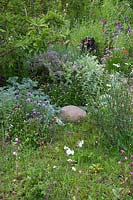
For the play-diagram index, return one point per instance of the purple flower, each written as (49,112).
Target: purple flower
(29,94)
(115,34)
(121,29)
(131,157)
(28,100)
(17,96)
(27,115)
(125,18)
(128,30)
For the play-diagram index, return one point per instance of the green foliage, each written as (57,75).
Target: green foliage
(23,36)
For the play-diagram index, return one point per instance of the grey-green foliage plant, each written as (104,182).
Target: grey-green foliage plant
(114,112)
(26,112)
(90,73)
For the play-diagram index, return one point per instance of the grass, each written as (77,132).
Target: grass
(45,173)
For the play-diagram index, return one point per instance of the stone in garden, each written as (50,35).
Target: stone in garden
(72,113)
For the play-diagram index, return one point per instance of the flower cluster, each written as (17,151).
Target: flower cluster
(71,152)
(115,28)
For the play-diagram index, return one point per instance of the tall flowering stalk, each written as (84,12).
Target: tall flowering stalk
(15,155)
(127,167)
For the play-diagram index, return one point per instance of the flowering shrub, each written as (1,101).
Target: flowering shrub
(27,112)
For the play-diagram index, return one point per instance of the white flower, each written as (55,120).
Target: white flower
(66,148)
(80,143)
(69,152)
(16,141)
(70,160)
(54,167)
(74,169)
(117,65)
(14,153)
(119,162)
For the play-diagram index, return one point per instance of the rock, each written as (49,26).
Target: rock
(72,113)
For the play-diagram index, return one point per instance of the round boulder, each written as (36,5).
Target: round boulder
(72,113)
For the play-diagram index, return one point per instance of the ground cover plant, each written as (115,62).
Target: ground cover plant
(58,53)
(25,112)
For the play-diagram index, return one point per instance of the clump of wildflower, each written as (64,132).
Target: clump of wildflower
(80,143)
(68,151)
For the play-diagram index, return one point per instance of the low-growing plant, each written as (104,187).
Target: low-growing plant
(26,112)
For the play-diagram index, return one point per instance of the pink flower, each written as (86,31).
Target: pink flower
(126,158)
(131,173)
(131,163)
(132,157)
(131,191)
(122,151)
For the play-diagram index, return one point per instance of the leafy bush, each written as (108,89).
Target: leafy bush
(26,112)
